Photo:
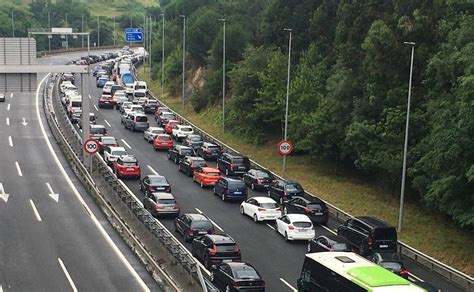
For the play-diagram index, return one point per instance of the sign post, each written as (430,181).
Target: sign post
(134,34)
(91,146)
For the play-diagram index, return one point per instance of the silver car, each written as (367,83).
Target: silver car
(136,121)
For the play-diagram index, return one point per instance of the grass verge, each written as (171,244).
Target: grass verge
(423,229)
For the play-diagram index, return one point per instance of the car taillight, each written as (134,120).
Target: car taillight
(158,207)
(168,189)
(237,248)
(237,285)
(404,272)
(261,209)
(176,206)
(259,181)
(190,232)
(285,194)
(307,210)
(150,188)
(370,241)
(291,227)
(232,166)
(213,250)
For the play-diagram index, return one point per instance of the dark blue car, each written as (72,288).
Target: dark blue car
(101,82)
(231,188)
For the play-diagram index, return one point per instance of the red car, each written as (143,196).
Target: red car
(127,166)
(163,142)
(171,125)
(106,101)
(206,176)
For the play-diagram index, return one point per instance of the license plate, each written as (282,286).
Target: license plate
(383,245)
(237,193)
(319,214)
(106,102)
(266,186)
(226,261)
(130,169)
(202,232)
(160,188)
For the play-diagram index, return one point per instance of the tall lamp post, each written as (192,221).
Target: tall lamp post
(287,94)
(162,53)
(405,147)
(49,27)
(13,25)
(223,73)
(98,31)
(67,43)
(149,46)
(184,57)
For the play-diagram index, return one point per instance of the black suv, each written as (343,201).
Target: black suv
(190,163)
(231,164)
(369,234)
(258,179)
(178,152)
(215,249)
(209,151)
(193,225)
(313,207)
(283,190)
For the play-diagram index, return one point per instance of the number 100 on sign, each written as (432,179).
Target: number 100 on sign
(285,148)
(91,146)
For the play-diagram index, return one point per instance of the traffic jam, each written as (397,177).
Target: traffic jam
(257,194)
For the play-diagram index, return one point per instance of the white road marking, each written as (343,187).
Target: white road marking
(214,223)
(79,197)
(152,170)
(73,286)
(10,142)
(288,284)
(8,121)
(80,130)
(24,123)
(415,277)
(126,144)
(53,195)
(8,107)
(96,108)
(329,229)
(108,123)
(270,226)
(11,95)
(35,210)
(1,288)
(3,195)
(90,97)
(18,169)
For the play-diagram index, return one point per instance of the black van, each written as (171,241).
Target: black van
(369,234)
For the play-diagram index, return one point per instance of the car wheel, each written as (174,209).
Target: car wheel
(176,160)
(223,197)
(281,201)
(194,178)
(227,172)
(202,185)
(285,211)
(252,186)
(156,149)
(179,167)
(212,276)
(242,211)
(169,156)
(268,193)
(255,218)
(187,238)
(214,191)
(189,173)
(227,288)
(140,187)
(132,128)
(286,236)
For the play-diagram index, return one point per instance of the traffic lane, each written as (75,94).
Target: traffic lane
(61,59)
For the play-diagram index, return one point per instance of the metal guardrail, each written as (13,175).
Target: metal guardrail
(46,53)
(452,275)
(70,142)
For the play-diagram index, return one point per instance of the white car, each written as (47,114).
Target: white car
(112,153)
(260,208)
(295,227)
(129,88)
(142,100)
(125,105)
(181,131)
(150,134)
(133,108)
(108,87)
(120,97)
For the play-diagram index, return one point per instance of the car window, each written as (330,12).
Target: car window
(385,234)
(236,184)
(158,180)
(118,152)
(201,224)
(293,187)
(269,205)
(302,224)
(164,138)
(186,151)
(245,272)
(141,119)
(129,163)
(167,201)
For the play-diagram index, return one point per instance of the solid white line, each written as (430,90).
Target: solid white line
(11,95)
(8,107)
(214,223)
(152,170)
(8,121)
(108,123)
(10,142)
(329,229)
(288,284)
(18,168)
(81,200)
(34,210)
(270,226)
(415,277)
(90,97)
(126,144)
(96,108)
(1,288)
(73,286)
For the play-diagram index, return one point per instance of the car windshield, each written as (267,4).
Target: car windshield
(109,140)
(261,174)
(129,163)
(269,205)
(186,129)
(164,138)
(291,187)
(152,102)
(214,148)
(302,224)
(98,130)
(142,119)
(385,233)
(158,131)
(236,184)
(168,115)
(391,265)
(76,104)
(173,124)
(186,151)
(246,273)
(226,247)
(213,173)
(159,180)
(199,162)
(201,224)
(140,94)
(195,139)
(167,201)
(119,152)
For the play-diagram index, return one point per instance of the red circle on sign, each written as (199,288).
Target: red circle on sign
(285,147)
(91,146)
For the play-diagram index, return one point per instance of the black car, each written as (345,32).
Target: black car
(193,225)
(283,190)
(237,277)
(159,203)
(150,106)
(155,183)
(214,249)
(327,243)
(258,179)
(178,152)
(313,207)
(209,151)
(233,164)
(189,164)
(389,261)
(194,141)
(164,117)
(231,188)
(369,234)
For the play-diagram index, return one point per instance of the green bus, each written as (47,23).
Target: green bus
(348,272)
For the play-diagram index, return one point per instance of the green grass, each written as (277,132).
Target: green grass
(423,229)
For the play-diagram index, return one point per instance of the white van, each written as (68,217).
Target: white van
(140,85)
(74,103)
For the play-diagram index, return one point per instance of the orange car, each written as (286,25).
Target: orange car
(163,142)
(171,125)
(206,176)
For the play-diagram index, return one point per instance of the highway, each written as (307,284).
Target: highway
(53,236)
(279,262)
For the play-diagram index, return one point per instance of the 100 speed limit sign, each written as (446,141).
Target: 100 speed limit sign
(285,147)
(91,146)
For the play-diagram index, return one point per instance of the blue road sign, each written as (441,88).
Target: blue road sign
(134,34)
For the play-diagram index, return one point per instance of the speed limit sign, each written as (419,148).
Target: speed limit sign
(285,147)
(91,146)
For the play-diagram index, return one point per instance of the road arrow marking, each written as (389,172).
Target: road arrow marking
(53,195)
(3,195)
(24,123)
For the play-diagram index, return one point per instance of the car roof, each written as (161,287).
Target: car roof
(193,135)
(207,144)
(163,195)
(117,148)
(235,155)
(374,222)
(155,176)
(198,217)
(154,128)
(310,199)
(195,158)
(264,200)
(298,217)
(97,126)
(210,169)
(234,265)
(220,238)
(183,147)
(233,178)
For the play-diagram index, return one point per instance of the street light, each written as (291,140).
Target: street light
(13,25)
(98,31)
(49,26)
(405,148)
(287,94)
(149,46)
(184,56)
(67,43)
(223,73)
(162,53)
